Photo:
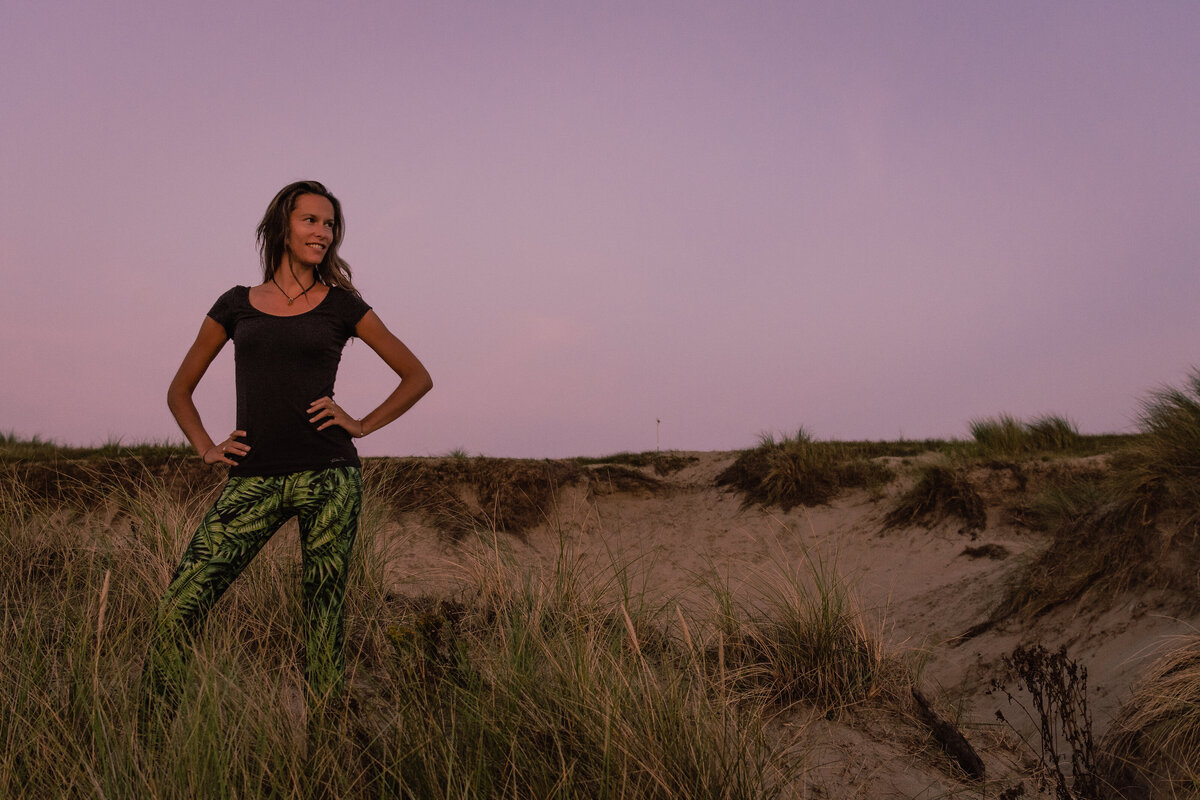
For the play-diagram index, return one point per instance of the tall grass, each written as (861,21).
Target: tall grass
(77,596)
(1006,436)
(555,685)
(566,683)
(800,637)
(1164,468)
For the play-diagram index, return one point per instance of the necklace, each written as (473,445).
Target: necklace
(291,299)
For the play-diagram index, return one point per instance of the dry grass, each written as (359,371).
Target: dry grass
(1138,524)
(941,490)
(563,683)
(798,471)
(801,638)
(1150,749)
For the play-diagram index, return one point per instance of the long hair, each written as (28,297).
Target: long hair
(276,225)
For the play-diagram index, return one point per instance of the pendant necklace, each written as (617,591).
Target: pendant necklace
(285,294)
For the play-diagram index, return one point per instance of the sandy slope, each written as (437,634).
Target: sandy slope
(916,584)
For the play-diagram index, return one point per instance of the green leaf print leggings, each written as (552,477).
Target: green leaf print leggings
(250,509)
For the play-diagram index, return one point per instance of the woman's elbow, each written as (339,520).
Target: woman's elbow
(177,397)
(417,380)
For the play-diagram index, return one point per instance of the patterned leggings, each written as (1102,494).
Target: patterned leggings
(248,512)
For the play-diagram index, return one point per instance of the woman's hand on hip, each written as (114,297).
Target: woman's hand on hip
(327,413)
(220,453)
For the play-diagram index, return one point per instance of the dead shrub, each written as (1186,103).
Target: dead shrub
(1057,689)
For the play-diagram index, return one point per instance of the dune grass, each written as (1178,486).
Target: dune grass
(1150,748)
(797,470)
(1137,523)
(564,683)
(1006,436)
(14,448)
(941,490)
(800,637)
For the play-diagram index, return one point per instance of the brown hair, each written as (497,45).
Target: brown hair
(273,231)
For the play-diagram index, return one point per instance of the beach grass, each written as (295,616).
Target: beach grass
(1150,748)
(35,448)
(562,683)
(518,681)
(797,470)
(1135,523)
(1005,436)
(941,490)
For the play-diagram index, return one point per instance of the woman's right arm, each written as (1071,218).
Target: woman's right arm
(208,343)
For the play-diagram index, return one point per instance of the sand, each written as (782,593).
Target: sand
(915,585)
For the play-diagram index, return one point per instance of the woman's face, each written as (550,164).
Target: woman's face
(311,229)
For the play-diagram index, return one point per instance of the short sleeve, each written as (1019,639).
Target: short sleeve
(224,311)
(352,309)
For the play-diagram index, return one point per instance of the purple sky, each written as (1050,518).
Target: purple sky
(874,220)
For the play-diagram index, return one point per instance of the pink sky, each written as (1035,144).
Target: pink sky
(874,220)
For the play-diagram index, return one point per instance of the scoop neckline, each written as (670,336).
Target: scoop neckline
(286,316)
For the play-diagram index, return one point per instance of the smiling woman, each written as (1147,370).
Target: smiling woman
(303,224)
(293,452)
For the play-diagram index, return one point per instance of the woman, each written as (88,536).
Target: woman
(292,453)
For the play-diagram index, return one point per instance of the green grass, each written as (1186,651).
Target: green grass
(1052,433)
(37,449)
(1064,499)
(1005,436)
(662,463)
(1002,435)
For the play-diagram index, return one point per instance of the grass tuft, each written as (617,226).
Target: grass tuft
(1052,433)
(797,470)
(999,436)
(941,491)
(1006,437)
(803,639)
(1150,748)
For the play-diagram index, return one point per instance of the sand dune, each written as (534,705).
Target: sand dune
(664,526)
(921,587)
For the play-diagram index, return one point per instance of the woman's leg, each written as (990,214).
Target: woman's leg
(241,521)
(328,503)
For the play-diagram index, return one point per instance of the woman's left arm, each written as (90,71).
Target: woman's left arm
(414,382)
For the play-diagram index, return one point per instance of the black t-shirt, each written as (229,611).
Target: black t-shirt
(283,364)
